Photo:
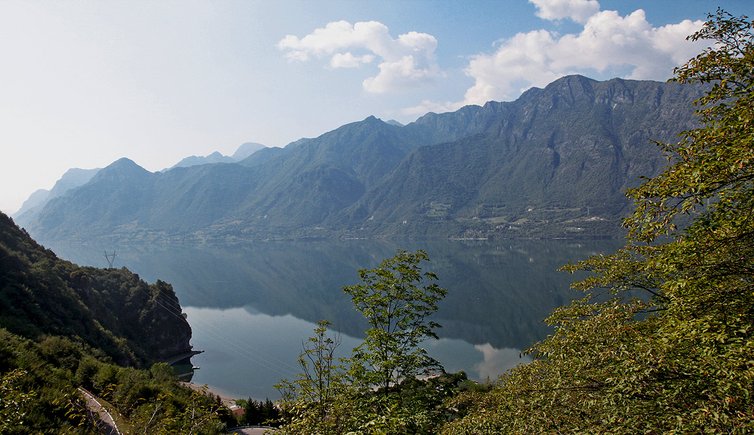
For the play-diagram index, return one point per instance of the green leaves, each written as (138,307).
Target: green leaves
(397,299)
(712,163)
(662,341)
(309,401)
(678,358)
(377,389)
(15,400)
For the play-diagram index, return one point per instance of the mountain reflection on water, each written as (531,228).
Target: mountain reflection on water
(251,305)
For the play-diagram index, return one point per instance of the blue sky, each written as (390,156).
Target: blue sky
(83,83)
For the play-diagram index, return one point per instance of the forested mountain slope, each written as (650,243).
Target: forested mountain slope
(65,328)
(554,163)
(112,310)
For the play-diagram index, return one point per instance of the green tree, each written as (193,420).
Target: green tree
(680,358)
(308,401)
(396,298)
(377,390)
(257,412)
(191,412)
(15,402)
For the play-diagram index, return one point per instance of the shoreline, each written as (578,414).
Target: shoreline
(226,398)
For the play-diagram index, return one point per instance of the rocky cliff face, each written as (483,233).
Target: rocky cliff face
(554,163)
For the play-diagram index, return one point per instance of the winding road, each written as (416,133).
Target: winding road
(107,422)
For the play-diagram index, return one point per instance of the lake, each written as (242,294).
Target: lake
(252,305)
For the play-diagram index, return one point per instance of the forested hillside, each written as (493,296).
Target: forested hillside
(63,326)
(680,358)
(110,309)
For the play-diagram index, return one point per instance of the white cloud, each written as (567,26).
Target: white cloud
(407,60)
(609,44)
(498,361)
(577,10)
(348,60)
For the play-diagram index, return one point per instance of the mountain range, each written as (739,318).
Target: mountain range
(72,179)
(244,151)
(554,163)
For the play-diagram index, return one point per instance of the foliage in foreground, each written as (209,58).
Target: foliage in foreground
(681,358)
(257,412)
(63,326)
(378,389)
(114,311)
(38,392)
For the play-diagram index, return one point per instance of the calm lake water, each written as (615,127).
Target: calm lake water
(252,305)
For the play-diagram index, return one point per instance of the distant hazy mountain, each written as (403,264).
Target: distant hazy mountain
(244,151)
(215,157)
(553,163)
(76,177)
(72,179)
(36,199)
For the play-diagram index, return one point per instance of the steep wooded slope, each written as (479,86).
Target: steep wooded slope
(555,162)
(111,310)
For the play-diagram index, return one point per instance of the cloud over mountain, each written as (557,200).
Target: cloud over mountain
(627,46)
(405,61)
(608,45)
